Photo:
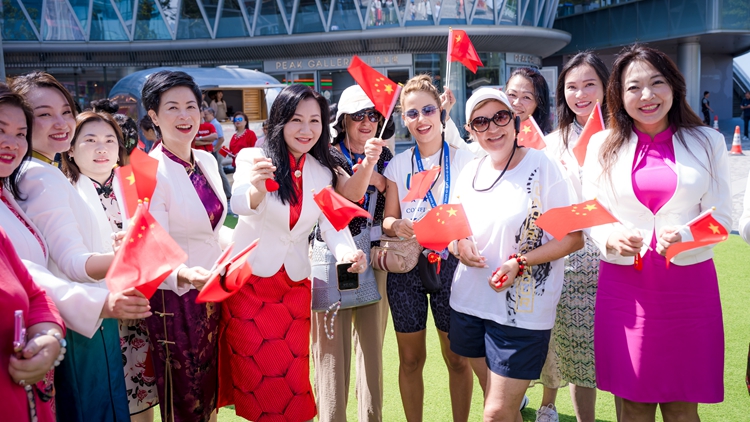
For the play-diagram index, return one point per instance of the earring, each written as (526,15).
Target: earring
(70,158)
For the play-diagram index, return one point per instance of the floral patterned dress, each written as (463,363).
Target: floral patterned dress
(140,381)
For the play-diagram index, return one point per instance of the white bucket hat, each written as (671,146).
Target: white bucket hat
(482,94)
(352,100)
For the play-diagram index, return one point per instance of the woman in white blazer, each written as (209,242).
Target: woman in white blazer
(190,205)
(77,252)
(96,148)
(265,330)
(656,169)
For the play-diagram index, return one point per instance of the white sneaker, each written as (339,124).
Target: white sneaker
(547,413)
(524,402)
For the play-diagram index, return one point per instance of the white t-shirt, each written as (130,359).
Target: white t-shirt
(564,156)
(502,220)
(400,168)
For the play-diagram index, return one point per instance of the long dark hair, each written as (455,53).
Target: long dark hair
(70,167)
(275,148)
(565,115)
(541,96)
(13,99)
(681,117)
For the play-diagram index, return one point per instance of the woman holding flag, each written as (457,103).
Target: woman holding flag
(78,252)
(265,330)
(505,290)
(580,93)
(660,172)
(189,203)
(95,149)
(362,154)
(407,296)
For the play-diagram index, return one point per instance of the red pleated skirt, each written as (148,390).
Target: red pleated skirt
(264,350)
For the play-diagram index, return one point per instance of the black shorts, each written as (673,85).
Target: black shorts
(511,352)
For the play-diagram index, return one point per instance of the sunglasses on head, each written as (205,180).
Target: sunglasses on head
(372,115)
(239,119)
(482,124)
(427,111)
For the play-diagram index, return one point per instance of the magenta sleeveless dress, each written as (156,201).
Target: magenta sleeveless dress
(658,332)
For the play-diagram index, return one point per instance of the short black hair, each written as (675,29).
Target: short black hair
(106,105)
(705,93)
(129,132)
(161,82)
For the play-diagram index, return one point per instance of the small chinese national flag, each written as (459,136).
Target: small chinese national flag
(706,231)
(530,135)
(147,256)
(460,49)
(594,124)
(560,221)
(229,275)
(382,91)
(144,169)
(421,183)
(442,225)
(129,195)
(337,209)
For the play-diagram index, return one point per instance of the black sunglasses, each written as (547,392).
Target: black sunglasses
(427,111)
(372,115)
(482,124)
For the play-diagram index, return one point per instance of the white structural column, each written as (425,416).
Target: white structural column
(689,62)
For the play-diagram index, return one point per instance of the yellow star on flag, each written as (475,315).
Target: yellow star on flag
(458,38)
(131,178)
(590,207)
(526,129)
(714,228)
(452,212)
(389,88)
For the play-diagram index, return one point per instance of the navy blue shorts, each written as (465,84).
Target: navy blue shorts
(510,352)
(409,300)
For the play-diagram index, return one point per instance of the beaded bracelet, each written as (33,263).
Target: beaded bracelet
(60,339)
(522,263)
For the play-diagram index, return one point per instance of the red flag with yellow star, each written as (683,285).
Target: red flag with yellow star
(558,222)
(337,209)
(382,91)
(706,231)
(460,49)
(147,256)
(129,195)
(594,124)
(530,135)
(228,276)
(421,183)
(144,169)
(442,225)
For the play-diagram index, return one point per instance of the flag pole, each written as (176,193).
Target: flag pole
(448,58)
(414,215)
(703,214)
(382,130)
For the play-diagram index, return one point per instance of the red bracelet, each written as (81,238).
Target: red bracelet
(522,263)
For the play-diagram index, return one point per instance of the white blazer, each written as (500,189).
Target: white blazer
(745,217)
(86,189)
(696,192)
(269,221)
(61,217)
(179,210)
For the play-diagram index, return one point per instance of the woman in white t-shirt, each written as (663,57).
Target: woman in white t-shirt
(504,325)
(407,294)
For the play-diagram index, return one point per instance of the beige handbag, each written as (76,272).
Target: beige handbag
(395,255)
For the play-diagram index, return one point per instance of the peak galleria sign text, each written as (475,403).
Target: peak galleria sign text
(318,63)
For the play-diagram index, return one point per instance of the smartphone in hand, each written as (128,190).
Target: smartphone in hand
(347,280)
(19,335)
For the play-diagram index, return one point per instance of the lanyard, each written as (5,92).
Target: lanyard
(349,160)
(446,167)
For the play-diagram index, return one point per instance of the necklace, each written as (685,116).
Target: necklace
(473,182)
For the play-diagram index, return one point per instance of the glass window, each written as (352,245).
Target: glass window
(269,21)
(250,11)
(452,12)
(333,83)
(231,22)
(734,14)
(34,9)
(105,25)
(417,12)
(509,13)
(60,22)
(210,7)
(149,24)
(81,9)
(307,18)
(125,7)
(689,16)
(192,25)
(169,11)
(16,27)
(483,12)
(653,19)
(345,16)
(326,7)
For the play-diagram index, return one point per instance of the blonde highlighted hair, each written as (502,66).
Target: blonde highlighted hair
(420,83)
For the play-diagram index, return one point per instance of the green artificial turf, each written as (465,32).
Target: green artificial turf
(733,264)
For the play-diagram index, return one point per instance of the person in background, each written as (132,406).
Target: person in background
(79,252)
(151,135)
(189,204)
(528,92)
(745,106)
(655,169)
(42,348)
(580,86)
(262,138)
(706,108)
(243,137)
(210,117)
(407,296)
(206,136)
(219,106)
(363,157)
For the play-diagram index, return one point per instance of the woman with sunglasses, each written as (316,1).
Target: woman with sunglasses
(580,87)
(505,290)
(363,158)
(407,296)
(243,137)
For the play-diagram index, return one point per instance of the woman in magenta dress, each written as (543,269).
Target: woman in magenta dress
(658,333)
